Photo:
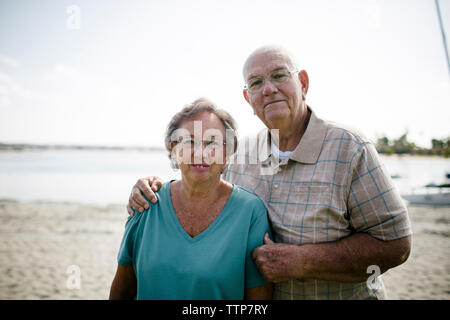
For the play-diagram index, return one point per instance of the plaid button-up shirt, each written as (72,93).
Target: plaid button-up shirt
(332,185)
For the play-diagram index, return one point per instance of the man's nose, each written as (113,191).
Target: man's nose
(269,88)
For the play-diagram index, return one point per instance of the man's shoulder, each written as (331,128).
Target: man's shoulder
(339,131)
(349,145)
(345,140)
(341,136)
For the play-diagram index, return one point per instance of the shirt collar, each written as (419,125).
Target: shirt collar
(307,151)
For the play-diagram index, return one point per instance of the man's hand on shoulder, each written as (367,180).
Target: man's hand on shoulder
(144,186)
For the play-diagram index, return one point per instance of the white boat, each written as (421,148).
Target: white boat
(432,194)
(430,199)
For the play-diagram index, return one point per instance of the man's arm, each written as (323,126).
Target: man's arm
(345,260)
(146,186)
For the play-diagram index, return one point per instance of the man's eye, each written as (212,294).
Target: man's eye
(255,83)
(279,76)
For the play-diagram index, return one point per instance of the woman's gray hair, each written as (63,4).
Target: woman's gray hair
(189,111)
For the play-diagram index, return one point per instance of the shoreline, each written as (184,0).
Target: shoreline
(18,148)
(42,241)
(413,156)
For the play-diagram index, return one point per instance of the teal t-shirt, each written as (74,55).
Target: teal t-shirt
(216,264)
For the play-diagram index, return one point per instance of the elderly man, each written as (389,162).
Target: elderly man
(338,222)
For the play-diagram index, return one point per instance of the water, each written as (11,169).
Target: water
(104,177)
(99,177)
(413,173)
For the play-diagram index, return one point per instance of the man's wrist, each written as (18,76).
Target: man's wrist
(298,262)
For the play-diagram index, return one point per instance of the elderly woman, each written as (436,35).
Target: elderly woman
(197,241)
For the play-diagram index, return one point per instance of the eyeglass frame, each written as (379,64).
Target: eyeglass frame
(270,79)
(184,140)
(203,142)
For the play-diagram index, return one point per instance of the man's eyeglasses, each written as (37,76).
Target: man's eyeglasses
(277,78)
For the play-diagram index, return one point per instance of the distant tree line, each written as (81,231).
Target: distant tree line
(401,145)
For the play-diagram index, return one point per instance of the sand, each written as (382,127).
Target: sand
(43,246)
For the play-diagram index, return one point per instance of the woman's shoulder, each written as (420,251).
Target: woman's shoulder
(162,195)
(248,198)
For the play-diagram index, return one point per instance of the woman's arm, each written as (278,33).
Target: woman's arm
(259,293)
(124,285)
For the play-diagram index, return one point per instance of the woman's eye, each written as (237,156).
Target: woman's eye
(188,142)
(212,143)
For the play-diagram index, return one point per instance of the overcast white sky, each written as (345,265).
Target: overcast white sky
(378,66)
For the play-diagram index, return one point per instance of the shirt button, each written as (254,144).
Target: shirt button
(275,185)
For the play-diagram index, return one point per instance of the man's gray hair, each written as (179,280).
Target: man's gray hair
(278,50)
(198,106)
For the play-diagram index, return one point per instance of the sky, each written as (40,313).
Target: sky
(110,72)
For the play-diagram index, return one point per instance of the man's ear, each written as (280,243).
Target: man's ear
(246,96)
(248,100)
(304,80)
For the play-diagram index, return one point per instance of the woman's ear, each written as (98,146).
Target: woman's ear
(173,155)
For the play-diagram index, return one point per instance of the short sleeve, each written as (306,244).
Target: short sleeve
(125,256)
(374,204)
(258,228)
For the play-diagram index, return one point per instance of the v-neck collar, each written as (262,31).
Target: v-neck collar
(205,232)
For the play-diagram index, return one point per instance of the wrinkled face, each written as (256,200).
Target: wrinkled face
(274,104)
(200,150)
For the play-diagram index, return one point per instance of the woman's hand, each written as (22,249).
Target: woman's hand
(146,186)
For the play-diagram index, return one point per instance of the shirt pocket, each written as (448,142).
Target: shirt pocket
(309,213)
(310,194)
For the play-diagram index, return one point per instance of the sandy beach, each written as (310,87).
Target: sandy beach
(44,245)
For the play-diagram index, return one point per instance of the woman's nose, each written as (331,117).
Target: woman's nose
(198,153)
